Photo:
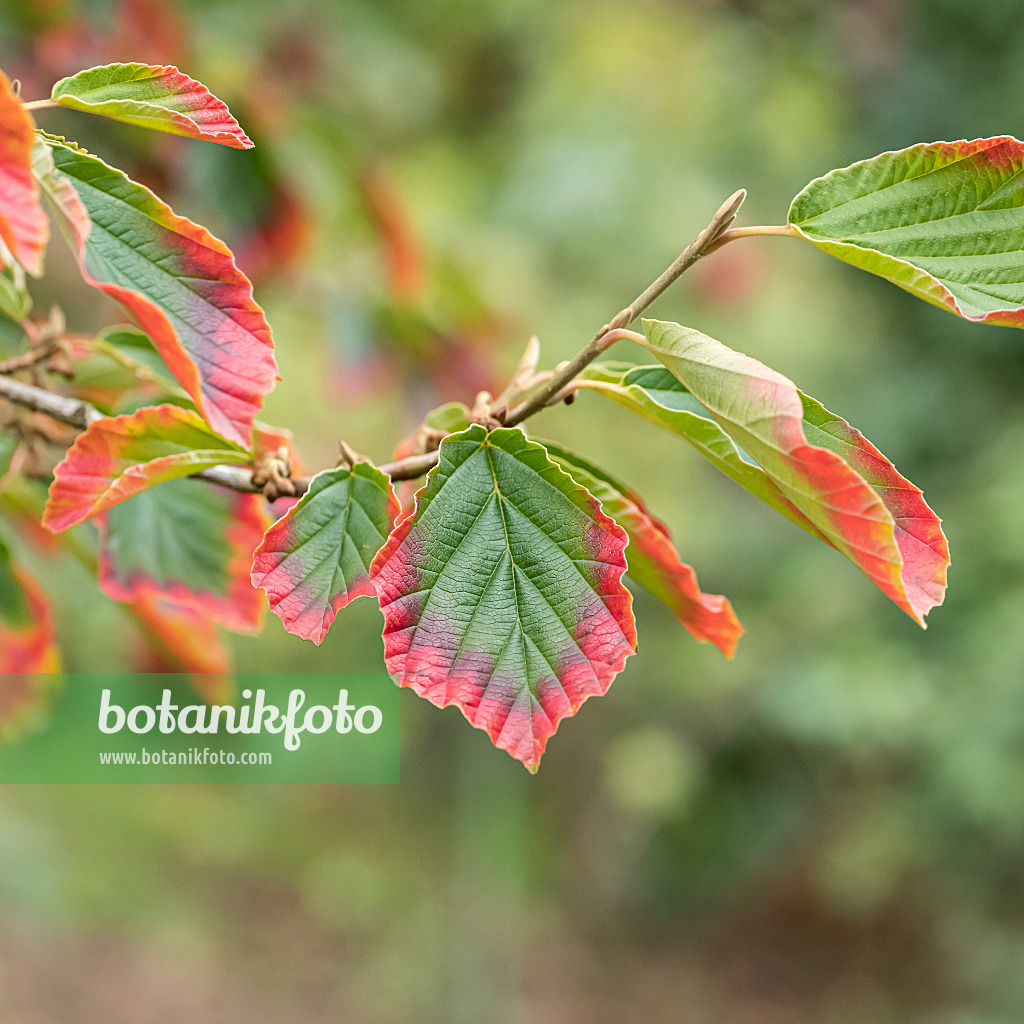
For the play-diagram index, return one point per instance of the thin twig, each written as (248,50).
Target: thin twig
(72,411)
(40,104)
(239,478)
(759,229)
(725,215)
(30,358)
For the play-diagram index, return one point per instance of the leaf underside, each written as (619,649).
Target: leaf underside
(119,456)
(652,558)
(943,220)
(316,559)
(502,593)
(830,474)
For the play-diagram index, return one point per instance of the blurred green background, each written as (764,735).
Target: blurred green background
(829,829)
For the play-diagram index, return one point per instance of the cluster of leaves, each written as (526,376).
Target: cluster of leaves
(501,584)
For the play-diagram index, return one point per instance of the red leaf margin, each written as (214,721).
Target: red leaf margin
(524,744)
(23,224)
(82,487)
(709,618)
(33,649)
(882,523)
(243,365)
(201,115)
(241,610)
(268,574)
(186,633)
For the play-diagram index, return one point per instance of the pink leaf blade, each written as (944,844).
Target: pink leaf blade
(23,225)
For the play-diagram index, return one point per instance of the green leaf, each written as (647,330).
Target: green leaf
(190,542)
(119,456)
(316,559)
(652,558)
(179,281)
(502,593)
(152,96)
(15,302)
(829,472)
(450,417)
(943,220)
(8,446)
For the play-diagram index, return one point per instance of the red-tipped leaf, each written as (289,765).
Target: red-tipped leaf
(502,593)
(652,558)
(27,639)
(316,559)
(842,484)
(119,456)
(943,220)
(23,225)
(189,541)
(152,96)
(185,636)
(180,283)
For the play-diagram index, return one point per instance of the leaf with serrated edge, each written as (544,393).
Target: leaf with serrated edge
(23,225)
(189,541)
(152,96)
(180,283)
(843,485)
(316,559)
(648,391)
(502,593)
(652,559)
(119,456)
(943,220)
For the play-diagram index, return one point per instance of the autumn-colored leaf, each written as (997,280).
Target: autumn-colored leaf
(268,440)
(27,639)
(943,220)
(317,558)
(828,471)
(184,634)
(401,246)
(189,541)
(656,394)
(23,225)
(502,593)
(119,456)
(180,283)
(652,559)
(151,96)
